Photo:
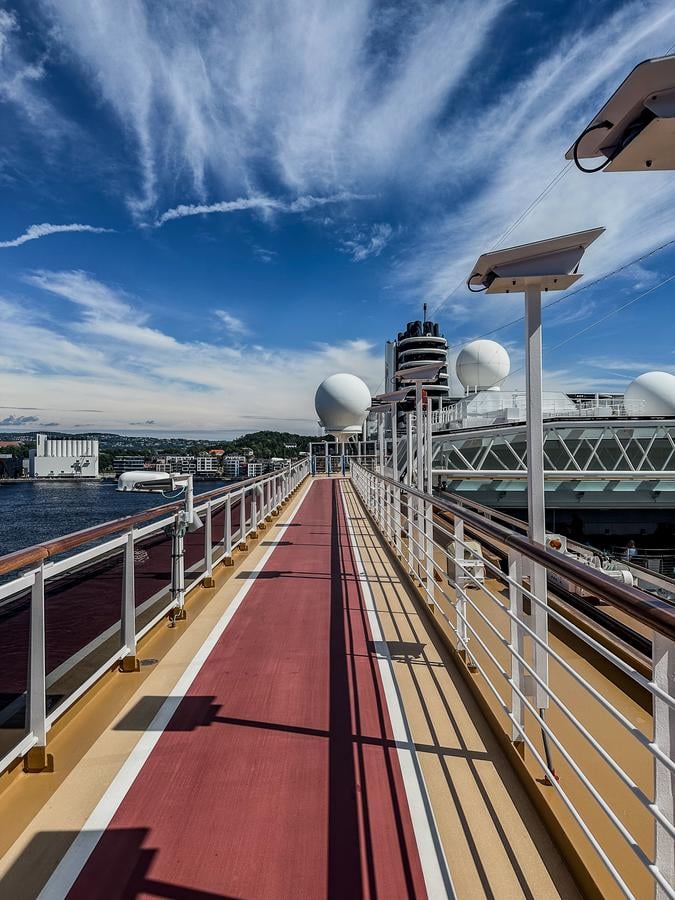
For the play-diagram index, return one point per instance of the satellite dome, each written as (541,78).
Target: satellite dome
(342,402)
(481,365)
(653,394)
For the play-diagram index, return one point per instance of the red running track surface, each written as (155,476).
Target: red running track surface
(277,776)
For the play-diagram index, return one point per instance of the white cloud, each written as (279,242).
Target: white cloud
(633,367)
(265,255)
(21,86)
(18,421)
(506,154)
(262,203)
(33,232)
(233,324)
(368,241)
(192,386)
(332,96)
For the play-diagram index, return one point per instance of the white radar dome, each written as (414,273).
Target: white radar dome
(481,365)
(342,402)
(651,394)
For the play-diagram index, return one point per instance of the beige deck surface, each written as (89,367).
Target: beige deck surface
(494,841)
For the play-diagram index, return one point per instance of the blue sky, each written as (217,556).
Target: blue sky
(209,207)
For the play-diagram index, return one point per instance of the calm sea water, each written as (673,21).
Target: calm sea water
(35,512)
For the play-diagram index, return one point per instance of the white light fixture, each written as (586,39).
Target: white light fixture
(635,129)
(187,520)
(550,265)
(162,482)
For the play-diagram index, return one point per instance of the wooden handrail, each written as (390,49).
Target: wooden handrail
(47,549)
(656,614)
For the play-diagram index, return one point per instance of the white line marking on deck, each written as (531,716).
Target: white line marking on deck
(430,848)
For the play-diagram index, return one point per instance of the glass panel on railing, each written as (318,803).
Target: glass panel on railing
(193,544)
(14,649)
(236,519)
(82,623)
(217,530)
(152,576)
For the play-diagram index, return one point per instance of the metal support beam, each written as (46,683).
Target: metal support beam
(129,662)
(36,758)
(535,476)
(663,653)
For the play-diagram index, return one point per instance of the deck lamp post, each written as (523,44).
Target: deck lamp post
(418,377)
(530,269)
(186,520)
(390,402)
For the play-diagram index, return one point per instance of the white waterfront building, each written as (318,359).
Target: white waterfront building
(234,466)
(63,457)
(177,465)
(208,465)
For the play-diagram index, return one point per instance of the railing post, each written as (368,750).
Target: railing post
(227,535)
(517,646)
(36,759)
(243,532)
(263,505)
(397,520)
(254,512)
(410,511)
(178,569)
(460,586)
(429,511)
(663,662)
(209,580)
(276,493)
(129,663)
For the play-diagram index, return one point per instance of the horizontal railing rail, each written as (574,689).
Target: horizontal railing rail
(608,762)
(645,577)
(68,620)
(658,615)
(18,559)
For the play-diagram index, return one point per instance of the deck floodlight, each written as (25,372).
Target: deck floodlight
(393,396)
(635,129)
(420,373)
(162,482)
(549,265)
(146,482)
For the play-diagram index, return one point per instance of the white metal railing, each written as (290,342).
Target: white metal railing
(511,649)
(50,654)
(508,407)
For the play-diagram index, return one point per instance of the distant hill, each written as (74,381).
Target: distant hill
(262,443)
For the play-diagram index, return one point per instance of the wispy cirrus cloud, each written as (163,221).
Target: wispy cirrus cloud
(261,203)
(234,325)
(498,171)
(34,232)
(265,255)
(339,96)
(368,241)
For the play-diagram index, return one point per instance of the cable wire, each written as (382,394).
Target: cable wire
(613,312)
(599,321)
(537,200)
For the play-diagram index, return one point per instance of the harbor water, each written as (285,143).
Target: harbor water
(32,512)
